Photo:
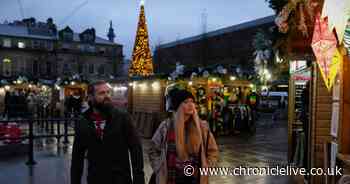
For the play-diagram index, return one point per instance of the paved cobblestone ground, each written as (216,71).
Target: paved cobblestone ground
(267,147)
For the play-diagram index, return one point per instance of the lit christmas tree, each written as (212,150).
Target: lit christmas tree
(142,64)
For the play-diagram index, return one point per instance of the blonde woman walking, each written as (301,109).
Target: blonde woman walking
(182,144)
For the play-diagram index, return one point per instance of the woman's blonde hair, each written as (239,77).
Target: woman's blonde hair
(191,130)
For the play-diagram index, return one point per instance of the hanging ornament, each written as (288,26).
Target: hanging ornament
(334,67)
(282,18)
(324,47)
(347,37)
(338,13)
(194,74)
(302,25)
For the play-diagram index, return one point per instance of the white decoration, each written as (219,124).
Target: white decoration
(205,74)
(238,70)
(338,13)
(194,74)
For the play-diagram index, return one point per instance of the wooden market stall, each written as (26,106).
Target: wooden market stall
(146,99)
(318,125)
(343,156)
(146,104)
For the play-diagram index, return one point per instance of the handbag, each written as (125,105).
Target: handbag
(152,180)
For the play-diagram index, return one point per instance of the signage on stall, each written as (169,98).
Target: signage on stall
(296,66)
(304,75)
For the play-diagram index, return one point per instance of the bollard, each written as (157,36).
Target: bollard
(65,131)
(58,131)
(52,128)
(31,160)
(47,122)
(58,135)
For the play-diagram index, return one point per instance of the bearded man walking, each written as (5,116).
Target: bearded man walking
(107,135)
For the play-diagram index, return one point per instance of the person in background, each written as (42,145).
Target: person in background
(31,103)
(183,139)
(7,104)
(76,103)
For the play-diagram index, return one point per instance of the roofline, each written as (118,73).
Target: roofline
(56,39)
(237,27)
(28,37)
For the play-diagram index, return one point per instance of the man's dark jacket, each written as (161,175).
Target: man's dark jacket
(108,159)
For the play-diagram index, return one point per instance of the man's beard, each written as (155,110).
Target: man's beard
(105,107)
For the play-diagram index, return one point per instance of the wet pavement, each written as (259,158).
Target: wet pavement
(266,148)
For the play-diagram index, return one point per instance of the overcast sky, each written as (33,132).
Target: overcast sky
(168,20)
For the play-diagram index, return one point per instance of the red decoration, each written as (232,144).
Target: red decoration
(324,45)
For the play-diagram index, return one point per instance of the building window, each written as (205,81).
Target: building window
(21,45)
(81,47)
(80,68)
(35,44)
(49,46)
(65,67)
(101,70)
(91,48)
(67,36)
(91,68)
(7,63)
(48,68)
(102,50)
(35,67)
(65,46)
(7,43)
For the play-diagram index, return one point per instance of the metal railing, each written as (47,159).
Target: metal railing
(53,129)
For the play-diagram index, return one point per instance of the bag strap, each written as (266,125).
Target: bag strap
(206,143)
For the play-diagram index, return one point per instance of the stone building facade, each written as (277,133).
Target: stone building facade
(38,50)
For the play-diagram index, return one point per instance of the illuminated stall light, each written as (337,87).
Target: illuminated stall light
(57,87)
(109,85)
(131,84)
(264,88)
(190,83)
(155,85)
(232,78)
(268,76)
(6,60)
(143,86)
(44,88)
(7,88)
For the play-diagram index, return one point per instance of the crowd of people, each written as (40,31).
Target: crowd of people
(24,103)
(19,103)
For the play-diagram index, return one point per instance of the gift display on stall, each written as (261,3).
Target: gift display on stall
(223,104)
(10,133)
